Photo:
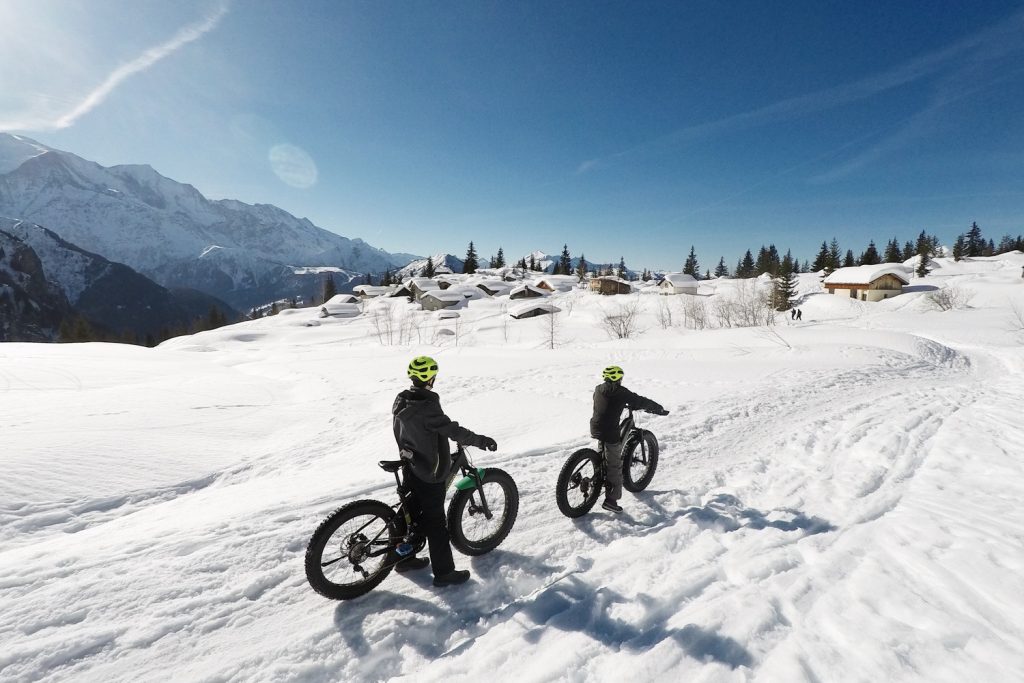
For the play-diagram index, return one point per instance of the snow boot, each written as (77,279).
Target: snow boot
(611,505)
(411,564)
(456,576)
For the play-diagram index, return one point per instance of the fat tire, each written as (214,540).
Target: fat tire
(629,452)
(318,581)
(460,503)
(564,484)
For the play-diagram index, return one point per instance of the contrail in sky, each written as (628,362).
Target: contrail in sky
(147,59)
(984,46)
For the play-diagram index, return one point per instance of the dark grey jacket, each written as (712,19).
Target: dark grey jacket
(610,399)
(422,430)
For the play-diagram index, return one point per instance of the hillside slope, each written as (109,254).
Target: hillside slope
(837,499)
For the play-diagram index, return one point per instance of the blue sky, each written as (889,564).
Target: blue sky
(620,128)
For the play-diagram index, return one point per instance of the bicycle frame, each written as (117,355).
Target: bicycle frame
(472,477)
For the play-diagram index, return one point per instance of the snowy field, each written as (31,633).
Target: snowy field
(838,499)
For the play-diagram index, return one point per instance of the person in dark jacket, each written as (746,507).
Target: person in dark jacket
(422,431)
(610,399)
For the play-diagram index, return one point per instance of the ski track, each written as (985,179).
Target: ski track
(714,501)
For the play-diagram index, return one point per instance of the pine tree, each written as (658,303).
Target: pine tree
(329,289)
(428,270)
(833,256)
(721,270)
(774,262)
(892,252)
(691,267)
(564,266)
(784,289)
(870,256)
(470,263)
(622,268)
(924,256)
(746,267)
(707,274)
(533,263)
(499,260)
(821,261)
(849,261)
(959,247)
(975,243)
(1007,243)
(581,268)
(761,266)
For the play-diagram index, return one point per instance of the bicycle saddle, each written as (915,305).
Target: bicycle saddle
(391,465)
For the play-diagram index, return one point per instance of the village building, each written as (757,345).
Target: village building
(494,287)
(609,285)
(533,309)
(418,286)
(527,292)
(436,300)
(678,283)
(339,310)
(468,292)
(342,299)
(868,283)
(401,291)
(371,291)
(558,283)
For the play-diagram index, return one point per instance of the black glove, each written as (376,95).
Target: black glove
(488,444)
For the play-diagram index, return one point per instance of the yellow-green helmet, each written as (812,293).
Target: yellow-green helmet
(613,373)
(423,368)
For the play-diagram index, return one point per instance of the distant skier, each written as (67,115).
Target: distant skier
(610,399)
(792,314)
(799,314)
(422,431)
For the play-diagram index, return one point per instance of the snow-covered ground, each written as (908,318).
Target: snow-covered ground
(838,499)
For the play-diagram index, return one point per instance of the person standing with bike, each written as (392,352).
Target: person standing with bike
(422,431)
(610,399)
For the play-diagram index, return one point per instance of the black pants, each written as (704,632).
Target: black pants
(428,512)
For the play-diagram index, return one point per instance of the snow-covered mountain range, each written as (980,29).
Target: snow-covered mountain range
(111,296)
(31,307)
(245,254)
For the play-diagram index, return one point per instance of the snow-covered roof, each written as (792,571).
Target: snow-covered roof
(447,314)
(371,290)
(445,295)
(339,310)
(863,275)
(342,299)
(516,311)
(467,291)
(423,284)
(614,278)
(559,282)
(523,288)
(495,285)
(680,280)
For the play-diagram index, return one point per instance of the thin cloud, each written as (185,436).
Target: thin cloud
(186,35)
(985,45)
(962,85)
